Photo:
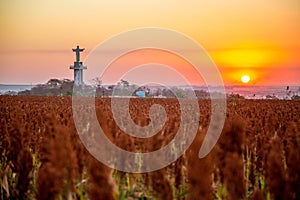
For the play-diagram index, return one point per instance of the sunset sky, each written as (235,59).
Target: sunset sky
(257,38)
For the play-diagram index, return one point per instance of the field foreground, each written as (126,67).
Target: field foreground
(256,157)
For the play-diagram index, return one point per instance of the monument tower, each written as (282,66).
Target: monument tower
(78,67)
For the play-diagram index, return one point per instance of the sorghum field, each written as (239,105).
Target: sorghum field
(256,157)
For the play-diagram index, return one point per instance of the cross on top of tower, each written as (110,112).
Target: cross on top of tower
(78,50)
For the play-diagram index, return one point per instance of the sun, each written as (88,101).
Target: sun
(245,79)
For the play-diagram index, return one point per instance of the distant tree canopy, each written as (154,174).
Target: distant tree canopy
(54,87)
(123,83)
(97,82)
(235,96)
(64,87)
(295,97)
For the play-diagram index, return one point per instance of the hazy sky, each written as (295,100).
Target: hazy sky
(254,37)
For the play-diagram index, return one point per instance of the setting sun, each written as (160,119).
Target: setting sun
(245,79)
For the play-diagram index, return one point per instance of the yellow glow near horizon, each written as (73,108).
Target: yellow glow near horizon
(245,57)
(245,79)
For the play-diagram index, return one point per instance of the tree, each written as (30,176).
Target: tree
(54,82)
(295,97)
(97,82)
(123,83)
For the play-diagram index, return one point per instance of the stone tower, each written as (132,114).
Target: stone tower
(78,67)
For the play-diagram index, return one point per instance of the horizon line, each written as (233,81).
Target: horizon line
(197,85)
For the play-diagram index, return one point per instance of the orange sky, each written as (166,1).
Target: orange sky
(254,37)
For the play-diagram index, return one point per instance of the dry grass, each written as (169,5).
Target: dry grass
(257,156)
